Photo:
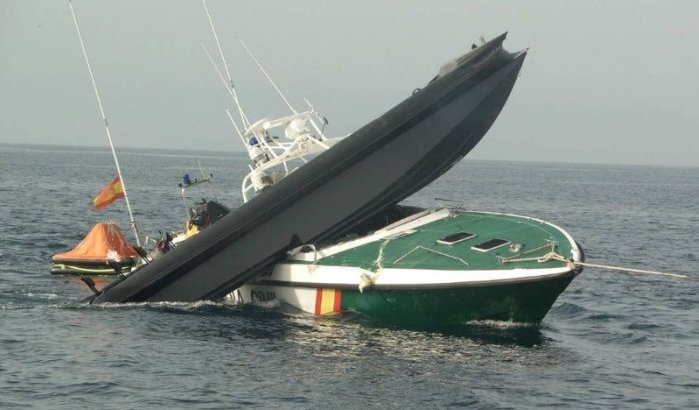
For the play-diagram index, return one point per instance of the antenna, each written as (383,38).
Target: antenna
(229,84)
(213,187)
(247,50)
(242,138)
(318,116)
(269,78)
(106,126)
(230,90)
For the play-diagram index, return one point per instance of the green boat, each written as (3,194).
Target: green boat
(431,267)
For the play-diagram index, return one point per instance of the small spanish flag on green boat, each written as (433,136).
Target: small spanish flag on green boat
(102,250)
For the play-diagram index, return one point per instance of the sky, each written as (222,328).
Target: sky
(604,81)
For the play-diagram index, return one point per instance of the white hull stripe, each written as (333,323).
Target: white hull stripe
(350,277)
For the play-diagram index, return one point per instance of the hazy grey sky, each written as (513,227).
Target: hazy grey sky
(606,81)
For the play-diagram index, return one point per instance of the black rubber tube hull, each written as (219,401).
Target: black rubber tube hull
(376,167)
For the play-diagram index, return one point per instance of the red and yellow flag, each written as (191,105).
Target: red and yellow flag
(328,301)
(109,194)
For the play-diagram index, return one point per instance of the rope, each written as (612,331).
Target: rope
(622,269)
(379,257)
(456,258)
(573,264)
(369,279)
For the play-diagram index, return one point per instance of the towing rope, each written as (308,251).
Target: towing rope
(574,264)
(368,279)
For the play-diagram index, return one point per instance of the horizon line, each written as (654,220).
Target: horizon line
(218,153)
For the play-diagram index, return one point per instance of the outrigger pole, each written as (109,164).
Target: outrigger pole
(106,126)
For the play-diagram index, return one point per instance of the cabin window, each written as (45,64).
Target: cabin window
(456,238)
(490,245)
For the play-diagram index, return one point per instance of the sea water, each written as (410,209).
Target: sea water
(612,340)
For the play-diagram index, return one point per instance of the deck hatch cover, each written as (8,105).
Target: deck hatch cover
(490,245)
(456,238)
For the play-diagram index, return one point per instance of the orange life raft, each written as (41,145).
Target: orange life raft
(103,244)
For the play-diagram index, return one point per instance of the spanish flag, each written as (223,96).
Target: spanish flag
(109,194)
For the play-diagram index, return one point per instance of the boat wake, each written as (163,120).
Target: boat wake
(42,296)
(37,300)
(202,307)
(501,324)
(18,300)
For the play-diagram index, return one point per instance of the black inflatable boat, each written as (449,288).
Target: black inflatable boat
(373,169)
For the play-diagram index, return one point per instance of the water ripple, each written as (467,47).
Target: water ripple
(611,341)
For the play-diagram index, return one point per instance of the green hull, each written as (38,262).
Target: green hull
(526,302)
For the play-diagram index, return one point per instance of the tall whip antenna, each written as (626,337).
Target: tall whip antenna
(223,80)
(269,78)
(106,126)
(247,50)
(230,84)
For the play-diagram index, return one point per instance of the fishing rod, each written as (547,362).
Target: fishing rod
(106,124)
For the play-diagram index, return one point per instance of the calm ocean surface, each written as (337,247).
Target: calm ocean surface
(612,340)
